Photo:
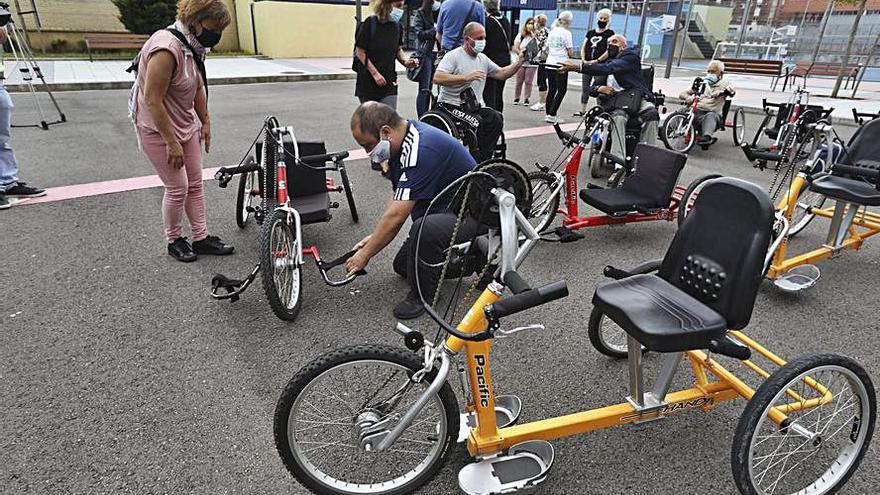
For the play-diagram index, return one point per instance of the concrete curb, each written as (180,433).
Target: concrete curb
(21,88)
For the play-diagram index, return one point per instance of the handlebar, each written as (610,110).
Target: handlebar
(567,139)
(326,266)
(326,157)
(860,117)
(225,174)
(526,299)
(614,158)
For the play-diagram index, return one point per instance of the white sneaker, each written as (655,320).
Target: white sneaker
(515,102)
(560,120)
(550,118)
(537,107)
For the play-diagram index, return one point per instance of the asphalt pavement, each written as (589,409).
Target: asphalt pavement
(118,374)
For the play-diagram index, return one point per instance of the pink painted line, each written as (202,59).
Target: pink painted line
(63,193)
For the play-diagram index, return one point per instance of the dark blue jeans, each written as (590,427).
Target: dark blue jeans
(426,76)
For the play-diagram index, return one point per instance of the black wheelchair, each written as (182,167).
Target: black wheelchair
(461,125)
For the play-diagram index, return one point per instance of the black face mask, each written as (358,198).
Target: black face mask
(613,50)
(601,24)
(208,38)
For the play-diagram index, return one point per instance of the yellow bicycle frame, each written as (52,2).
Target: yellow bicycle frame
(868,224)
(487,439)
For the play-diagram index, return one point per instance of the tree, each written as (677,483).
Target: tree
(849,44)
(146,16)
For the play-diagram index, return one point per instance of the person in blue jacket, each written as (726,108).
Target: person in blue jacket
(622,71)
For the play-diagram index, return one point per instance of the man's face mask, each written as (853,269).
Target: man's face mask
(613,51)
(381,152)
(208,38)
(711,79)
(479,45)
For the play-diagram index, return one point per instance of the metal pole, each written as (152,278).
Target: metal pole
(687,27)
(642,25)
(357,10)
(626,19)
(742,27)
(675,31)
(590,15)
(871,55)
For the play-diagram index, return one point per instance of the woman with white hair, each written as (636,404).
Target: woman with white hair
(594,50)
(561,49)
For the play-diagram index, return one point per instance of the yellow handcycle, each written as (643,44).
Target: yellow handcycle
(381,420)
(851,179)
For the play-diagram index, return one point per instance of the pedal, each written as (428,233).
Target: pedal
(524,465)
(334,204)
(565,234)
(798,278)
(507,410)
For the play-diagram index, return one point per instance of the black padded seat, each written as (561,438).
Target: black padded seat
(313,208)
(662,317)
(850,190)
(648,188)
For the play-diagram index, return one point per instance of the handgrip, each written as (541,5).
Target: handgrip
(867,173)
(614,158)
(326,266)
(325,157)
(526,300)
(566,138)
(515,282)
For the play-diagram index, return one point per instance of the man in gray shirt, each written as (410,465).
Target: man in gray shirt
(467,67)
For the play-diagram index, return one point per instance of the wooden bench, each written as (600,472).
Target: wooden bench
(772,68)
(806,69)
(114,41)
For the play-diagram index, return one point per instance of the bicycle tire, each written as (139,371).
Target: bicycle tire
(739,126)
(684,206)
(689,136)
(598,336)
(799,221)
(546,182)
(788,379)
(596,163)
(285,308)
(349,194)
(324,364)
(244,198)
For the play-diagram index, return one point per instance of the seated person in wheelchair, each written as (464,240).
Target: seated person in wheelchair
(467,67)
(624,92)
(419,160)
(711,105)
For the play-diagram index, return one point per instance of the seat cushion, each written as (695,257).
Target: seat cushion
(312,208)
(851,190)
(662,317)
(617,201)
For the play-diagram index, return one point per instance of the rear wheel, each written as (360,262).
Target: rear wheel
(596,162)
(606,336)
(349,195)
(677,132)
(282,274)
(545,204)
(739,126)
(440,121)
(830,407)
(690,195)
(336,410)
(248,188)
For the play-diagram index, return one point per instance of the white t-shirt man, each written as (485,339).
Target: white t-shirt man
(458,62)
(559,41)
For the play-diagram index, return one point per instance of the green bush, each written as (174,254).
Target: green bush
(146,16)
(58,45)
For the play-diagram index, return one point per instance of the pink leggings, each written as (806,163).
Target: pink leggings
(183,186)
(525,75)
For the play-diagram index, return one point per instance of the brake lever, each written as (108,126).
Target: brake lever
(501,333)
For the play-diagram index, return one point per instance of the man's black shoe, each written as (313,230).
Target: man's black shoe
(20,190)
(411,307)
(4,203)
(212,245)
(182,251)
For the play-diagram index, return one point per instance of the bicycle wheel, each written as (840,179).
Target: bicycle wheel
(247,190)
(338,404)
(596,162)
(801,217)
(739,126)
(677,133)
(282,275)
(820,444)
(349,195)
(690,195)
(606,336)
(545,204)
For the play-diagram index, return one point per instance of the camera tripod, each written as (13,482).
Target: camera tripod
(28,67)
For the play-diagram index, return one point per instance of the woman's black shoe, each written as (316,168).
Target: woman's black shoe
(182,251)
(212,245)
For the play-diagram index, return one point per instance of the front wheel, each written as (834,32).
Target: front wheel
(829,408)
(739,127)
(690,195)
(677,132)
(245,202)
(338,407)
(282,274)
(803,215)
(545,203)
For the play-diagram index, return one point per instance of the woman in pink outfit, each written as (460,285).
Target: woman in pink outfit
(170,108)
(526,45)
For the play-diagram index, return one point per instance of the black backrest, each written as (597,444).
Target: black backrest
(865,144)
(656,173)
(717,255)
(648,74)
(302,180)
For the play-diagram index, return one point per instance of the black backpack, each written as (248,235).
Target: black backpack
(356,64)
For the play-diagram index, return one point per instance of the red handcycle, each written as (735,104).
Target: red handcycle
(291,183)
(649,193)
